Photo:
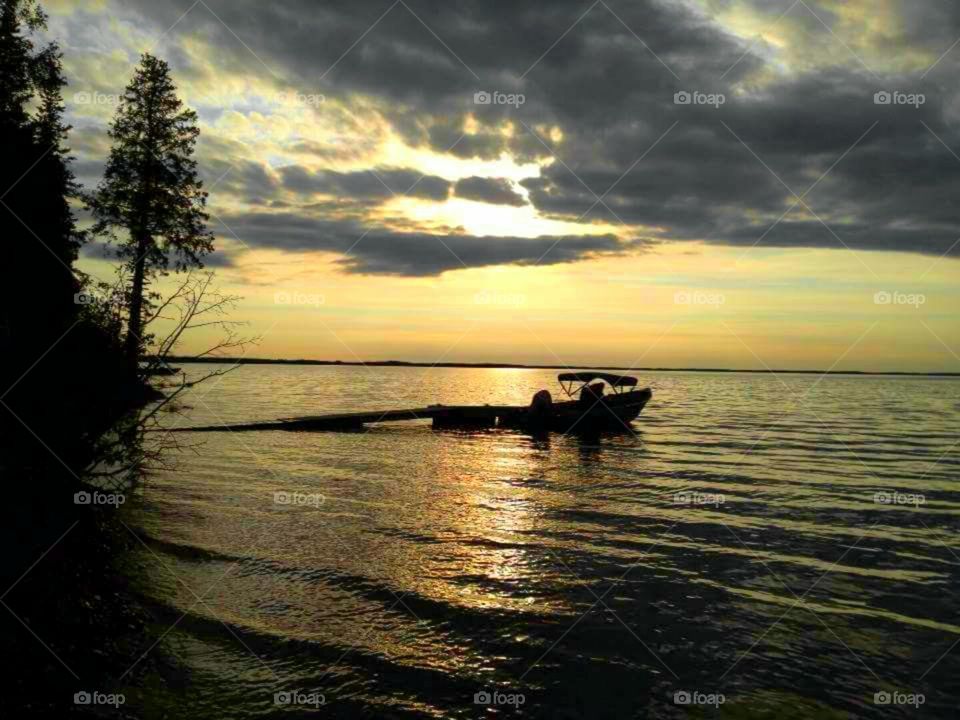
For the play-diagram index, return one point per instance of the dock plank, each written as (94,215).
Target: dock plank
(439,413)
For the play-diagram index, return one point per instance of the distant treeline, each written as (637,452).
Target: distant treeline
(518,366)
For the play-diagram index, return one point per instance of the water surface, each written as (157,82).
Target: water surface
(733,545)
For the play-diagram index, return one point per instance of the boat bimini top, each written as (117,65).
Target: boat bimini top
(573,383)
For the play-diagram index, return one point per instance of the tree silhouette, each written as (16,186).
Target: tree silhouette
(151,191)
(39,239)
(35,182)
(54,172)
(15,56)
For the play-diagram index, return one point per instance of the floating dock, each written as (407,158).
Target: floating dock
(443,416)
(599,412)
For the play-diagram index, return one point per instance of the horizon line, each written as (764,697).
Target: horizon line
(523,366)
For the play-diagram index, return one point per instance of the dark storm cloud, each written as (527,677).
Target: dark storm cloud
(445,134)
(218,259)
(366,184)
(99,250)
(497,191)
(419,254)
(886,176)
(920,23)
(383,252)
(246,179)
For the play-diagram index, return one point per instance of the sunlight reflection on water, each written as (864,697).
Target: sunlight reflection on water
(441,564)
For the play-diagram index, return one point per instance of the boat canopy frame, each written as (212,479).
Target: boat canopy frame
(619,383)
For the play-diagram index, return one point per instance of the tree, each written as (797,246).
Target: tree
(38,237)
(142,442)
(151,191)
(50,134)
(40,240)
(15,56)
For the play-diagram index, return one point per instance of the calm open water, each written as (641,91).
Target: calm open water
(735,546)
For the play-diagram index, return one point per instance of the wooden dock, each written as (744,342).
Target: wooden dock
(611,412)
(443,416)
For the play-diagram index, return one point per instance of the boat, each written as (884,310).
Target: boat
(589,408)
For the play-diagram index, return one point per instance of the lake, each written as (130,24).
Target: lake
(762,545)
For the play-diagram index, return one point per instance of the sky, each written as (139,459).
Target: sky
(743,184)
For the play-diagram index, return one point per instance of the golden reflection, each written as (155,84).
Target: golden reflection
(495,517)
(838,608)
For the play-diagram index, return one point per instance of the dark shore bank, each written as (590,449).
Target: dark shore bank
(74,622)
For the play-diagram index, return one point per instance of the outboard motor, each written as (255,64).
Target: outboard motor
(541,409)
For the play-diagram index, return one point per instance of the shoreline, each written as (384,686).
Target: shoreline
(98,631)
(519,366)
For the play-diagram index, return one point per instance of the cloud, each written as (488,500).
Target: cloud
(497,191)
(796,120)
(249,180)
(378,251)
(100,250)
(364,185)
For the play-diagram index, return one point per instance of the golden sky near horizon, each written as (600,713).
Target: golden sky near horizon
(669,300)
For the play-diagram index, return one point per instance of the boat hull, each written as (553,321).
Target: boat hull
(612,413)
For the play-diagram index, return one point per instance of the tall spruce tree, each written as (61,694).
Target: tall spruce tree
(39,238)
(44,342)
(15,55)
(151,192)
(50,134)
